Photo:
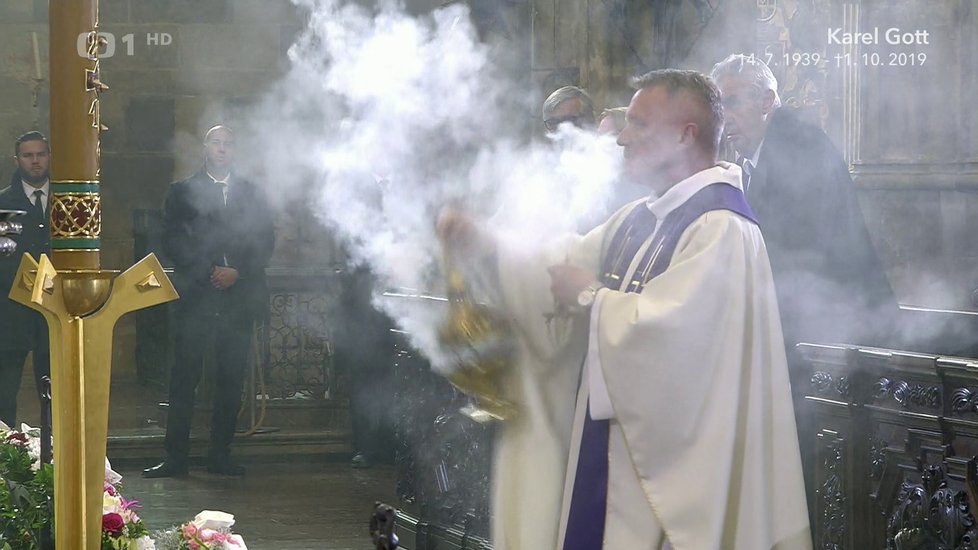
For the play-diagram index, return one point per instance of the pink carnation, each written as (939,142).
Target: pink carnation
(189,530)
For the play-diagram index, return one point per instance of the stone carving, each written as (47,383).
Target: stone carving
(442,457)
(382,525)
(821,382)
(825,385)
(877,457)
(929,515)
(964,400)
(906,395)
(835,521)
(842,386)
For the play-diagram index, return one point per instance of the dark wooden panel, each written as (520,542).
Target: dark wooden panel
(895,446)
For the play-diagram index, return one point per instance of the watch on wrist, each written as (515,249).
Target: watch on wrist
(586,296)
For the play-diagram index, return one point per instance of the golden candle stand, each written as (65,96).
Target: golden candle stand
(80,301)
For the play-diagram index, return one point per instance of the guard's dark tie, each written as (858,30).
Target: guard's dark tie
(38,209)
(223,184)
(224,190)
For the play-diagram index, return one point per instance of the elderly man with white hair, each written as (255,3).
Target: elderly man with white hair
(830,283)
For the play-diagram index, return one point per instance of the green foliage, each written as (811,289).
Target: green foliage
(26,497)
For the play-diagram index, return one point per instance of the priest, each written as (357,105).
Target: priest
(683,433)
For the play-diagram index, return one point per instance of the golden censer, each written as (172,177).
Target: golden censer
(479,343)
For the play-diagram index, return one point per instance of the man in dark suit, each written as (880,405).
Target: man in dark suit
(23,330)
(830,283)
(218,232)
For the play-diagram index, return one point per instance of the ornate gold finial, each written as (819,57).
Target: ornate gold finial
(48,285)
(27,280)
(149,283)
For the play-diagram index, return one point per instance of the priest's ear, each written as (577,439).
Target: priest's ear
(691,132)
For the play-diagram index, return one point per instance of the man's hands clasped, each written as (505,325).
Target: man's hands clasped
(223,278)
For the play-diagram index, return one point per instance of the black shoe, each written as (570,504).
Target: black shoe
(225,466)
(360,461)
(167,468)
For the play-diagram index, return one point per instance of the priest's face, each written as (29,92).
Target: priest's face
(745,111)
(33,160)
(652,138)
(219,149)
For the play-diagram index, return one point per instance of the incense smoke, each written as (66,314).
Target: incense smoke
(398,116)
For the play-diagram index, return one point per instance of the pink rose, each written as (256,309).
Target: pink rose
(109,489)
(189,530)
(211,536)
(113,524)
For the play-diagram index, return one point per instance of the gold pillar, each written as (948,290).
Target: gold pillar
(76,214)
(80,302)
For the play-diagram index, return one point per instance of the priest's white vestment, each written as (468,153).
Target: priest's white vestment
(530,452)
(691,372)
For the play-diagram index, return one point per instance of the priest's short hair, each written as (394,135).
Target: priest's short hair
(698,87)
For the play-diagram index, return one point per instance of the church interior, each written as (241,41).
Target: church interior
(342,405)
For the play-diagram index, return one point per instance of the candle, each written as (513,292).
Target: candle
(37,56)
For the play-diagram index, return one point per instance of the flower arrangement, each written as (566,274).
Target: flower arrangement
(27,498)
(26,489)
(210,530)
(27,507)
(121,527)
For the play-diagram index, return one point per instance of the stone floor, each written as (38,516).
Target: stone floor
(311,506)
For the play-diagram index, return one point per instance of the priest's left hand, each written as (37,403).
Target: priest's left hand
(567,281)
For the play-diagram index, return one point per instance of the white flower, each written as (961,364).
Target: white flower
(235,542)
(212,519)
(145,543)
(111,504)
(33,443)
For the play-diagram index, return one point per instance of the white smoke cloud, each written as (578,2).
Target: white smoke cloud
(396,116)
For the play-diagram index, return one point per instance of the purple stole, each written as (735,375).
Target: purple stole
(586,518)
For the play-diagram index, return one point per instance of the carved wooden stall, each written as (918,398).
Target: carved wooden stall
(897,435)
(442,459)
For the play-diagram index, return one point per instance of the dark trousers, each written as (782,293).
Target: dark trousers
(12,371)
(370,371)
(232,337)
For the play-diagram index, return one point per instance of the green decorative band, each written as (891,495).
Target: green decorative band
(82,244)
(76,215)
(74,188)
